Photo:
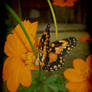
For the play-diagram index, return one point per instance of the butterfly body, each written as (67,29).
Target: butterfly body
(50,55)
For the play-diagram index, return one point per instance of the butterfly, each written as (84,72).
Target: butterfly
(51,55)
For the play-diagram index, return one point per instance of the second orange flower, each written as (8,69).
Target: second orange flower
(80,77)
(64,3)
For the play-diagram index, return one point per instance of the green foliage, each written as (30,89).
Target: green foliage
(46,82)
(46,89)
(51,79)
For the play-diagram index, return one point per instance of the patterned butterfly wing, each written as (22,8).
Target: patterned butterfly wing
(57,51)
(51,55)
(43,48)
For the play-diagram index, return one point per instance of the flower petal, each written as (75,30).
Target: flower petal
(63,3)
(33,67)
(73,75)
(37,40)
(83,86)
(31,29)
(13,46)
(9,67)
(89,61)
(72,85)
(25,76)
(13,81)
(34,26)
(72,90)
(80,65)
(85,38)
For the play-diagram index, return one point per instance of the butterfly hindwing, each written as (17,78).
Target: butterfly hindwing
(57,51)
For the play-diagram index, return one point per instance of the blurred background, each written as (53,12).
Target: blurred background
(39,10)
(71,21)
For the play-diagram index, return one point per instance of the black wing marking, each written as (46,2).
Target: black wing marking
(51,54)
(44,47)
(60,48)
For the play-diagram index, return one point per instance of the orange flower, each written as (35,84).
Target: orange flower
(80,77)
(21,58)
(64,3)
(85,38)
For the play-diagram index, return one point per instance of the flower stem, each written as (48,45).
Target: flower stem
(24,30)
(54,18)
(66,9)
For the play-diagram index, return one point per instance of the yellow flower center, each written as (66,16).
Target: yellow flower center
(28,58)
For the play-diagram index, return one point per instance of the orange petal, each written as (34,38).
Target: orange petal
(14,77)
(34,26)
(33,67)
(63,3)
(73,86)
(79,86)
(85,38)
(31,29)
(13,46)
(85,87)
(72,90)
(73,76)
(9,67)
(13,81)
(37,42)
(89,64)
(80,65)
(89,61)
(25,76)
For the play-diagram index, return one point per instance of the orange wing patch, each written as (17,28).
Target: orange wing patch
(59,49)
(52,57)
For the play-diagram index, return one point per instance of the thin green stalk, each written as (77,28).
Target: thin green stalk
(24,30)
(66,10)
(54,18)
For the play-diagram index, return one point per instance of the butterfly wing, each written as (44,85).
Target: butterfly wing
(43,48)
(50,56)
(57,51)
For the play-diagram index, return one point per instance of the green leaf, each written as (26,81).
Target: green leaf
(46,89)
(65,81)
(51,79)
(22,89)
(36,71)
(41,76)
(54,87)
(62,87)
(39,89)
(33,87)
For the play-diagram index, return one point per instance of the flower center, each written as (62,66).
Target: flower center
(28,58)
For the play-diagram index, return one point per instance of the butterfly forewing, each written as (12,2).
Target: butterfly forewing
(43,48)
